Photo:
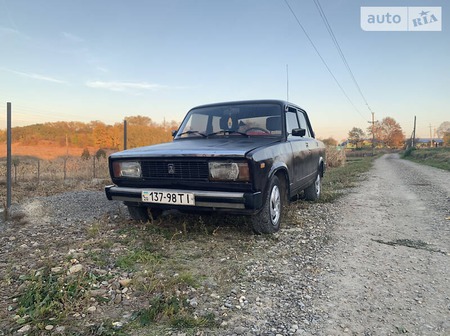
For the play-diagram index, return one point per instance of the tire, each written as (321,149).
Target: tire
(268,219)
(139,213)
(312,193)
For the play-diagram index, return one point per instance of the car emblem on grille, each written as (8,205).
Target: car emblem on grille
(171,168)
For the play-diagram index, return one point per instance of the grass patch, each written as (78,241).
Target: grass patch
(173,264)
(434,157)
(131,260)
(175,311)
(49,297)
(347,176)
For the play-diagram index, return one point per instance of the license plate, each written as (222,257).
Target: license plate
(168,197)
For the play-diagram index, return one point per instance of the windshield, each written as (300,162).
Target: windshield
(232,120)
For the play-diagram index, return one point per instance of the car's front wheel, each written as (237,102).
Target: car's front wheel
(143,214)
(269,218)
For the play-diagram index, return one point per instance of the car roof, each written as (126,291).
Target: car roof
(244,102)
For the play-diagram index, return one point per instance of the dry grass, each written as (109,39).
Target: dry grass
(29,169)
(335,157)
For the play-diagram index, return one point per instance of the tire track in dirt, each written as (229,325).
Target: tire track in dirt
(400,287)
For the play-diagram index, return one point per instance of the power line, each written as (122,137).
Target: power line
(336,43)
(323,60)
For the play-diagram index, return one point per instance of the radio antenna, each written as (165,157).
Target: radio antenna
(287,82)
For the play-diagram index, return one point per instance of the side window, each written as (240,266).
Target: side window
(291,122)
(303,123)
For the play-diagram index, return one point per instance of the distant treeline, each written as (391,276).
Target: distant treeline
(141,131)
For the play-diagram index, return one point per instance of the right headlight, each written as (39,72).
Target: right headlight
(127,169)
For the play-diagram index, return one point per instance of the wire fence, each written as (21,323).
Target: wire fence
(32,169)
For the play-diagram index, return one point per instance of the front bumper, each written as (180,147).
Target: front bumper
(203,199)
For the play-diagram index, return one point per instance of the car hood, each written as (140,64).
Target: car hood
(198,147)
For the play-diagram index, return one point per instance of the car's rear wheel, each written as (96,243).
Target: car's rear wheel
(269,218)
(312,193)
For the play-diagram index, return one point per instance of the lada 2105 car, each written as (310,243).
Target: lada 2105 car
(245,157)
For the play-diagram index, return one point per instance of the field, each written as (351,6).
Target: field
(47,169)
(435,157)
(44,151)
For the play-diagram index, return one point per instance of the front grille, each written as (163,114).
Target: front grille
(194,170)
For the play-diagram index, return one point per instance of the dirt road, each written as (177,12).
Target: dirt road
(389,269)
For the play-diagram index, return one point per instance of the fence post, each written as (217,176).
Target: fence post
(64,168)
(15,163)
(125,134)
(39,171)
(8,159)
(94,166)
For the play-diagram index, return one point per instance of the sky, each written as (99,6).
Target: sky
(87,60)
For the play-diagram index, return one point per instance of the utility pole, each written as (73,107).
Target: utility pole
(431,138)
(373,133)
(414,133)
(287,82)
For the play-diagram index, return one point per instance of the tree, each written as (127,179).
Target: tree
(140,120)
(443,128)
(330,142)
(85,155)
(100,154)
(356,136)
(447,139)
(99,132)
(388,132)
(393,136)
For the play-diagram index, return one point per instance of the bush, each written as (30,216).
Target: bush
(408,152)
(100,154)
(335,157)
(85,155)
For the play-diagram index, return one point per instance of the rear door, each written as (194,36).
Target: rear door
(312,158)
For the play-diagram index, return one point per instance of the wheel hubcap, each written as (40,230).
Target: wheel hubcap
(318,185)
(275,205)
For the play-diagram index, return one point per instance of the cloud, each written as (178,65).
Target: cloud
(36,76)
(9,31)
(72,37)
(14,33)
(124,86)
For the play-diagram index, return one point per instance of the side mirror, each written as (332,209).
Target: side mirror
(301,132)
(174,132)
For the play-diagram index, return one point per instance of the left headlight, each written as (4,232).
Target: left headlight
(229,171)
(127,169)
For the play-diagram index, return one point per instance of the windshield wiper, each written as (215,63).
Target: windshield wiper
(193,132)
(224,132)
